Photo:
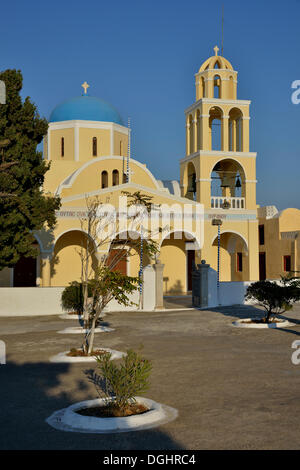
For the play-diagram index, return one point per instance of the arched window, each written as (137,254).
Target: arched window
(228,180)
(94,146)
(217,86)
(115,177)
(235,130)
(215,124)
(191,181)
(198,130)
(62,147)
(191,130)
(203,87)
(124,178)
(217,65)
(104,179)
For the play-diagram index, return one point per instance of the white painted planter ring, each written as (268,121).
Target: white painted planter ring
(62,357)
(79,330)
(68,420)
(244,323)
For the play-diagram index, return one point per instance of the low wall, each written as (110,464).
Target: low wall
(149,298)
(231,293)
(30,301)
(114,306)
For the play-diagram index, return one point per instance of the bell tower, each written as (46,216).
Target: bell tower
(218,168)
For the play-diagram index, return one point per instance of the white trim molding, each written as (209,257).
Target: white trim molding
(88,125)
(216,101)
(218,153)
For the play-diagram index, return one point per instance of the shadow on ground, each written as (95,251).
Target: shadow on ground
(31,392)
(247,311)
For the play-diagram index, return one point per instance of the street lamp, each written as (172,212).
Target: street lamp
(218,222)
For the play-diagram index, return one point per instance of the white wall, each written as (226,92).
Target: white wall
(114,306)
(231,293)
(30,301)
(149,297)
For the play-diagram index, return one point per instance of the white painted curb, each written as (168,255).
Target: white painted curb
(68,420)
(243,324)
(62,357)
(80,330)
(66,316)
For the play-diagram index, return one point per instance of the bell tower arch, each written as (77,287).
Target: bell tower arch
(217,131)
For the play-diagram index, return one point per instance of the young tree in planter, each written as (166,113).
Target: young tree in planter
(275,298)
(120,384)
(24,208)
(104,281)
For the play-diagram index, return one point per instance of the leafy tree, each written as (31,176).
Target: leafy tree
(104,281)
(275,298)
(24,207)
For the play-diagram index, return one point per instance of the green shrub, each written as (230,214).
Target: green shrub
(275,298)
(72,298)
(120,384)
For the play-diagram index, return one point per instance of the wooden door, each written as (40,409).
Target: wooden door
(117,260)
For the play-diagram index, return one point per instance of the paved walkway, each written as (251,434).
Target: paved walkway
(234,388)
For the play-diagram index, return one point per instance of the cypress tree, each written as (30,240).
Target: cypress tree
(24,207)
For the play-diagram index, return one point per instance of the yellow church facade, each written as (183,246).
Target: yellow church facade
(88,146)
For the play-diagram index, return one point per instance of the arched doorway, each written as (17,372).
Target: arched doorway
(66,264)
(234,260)
(177,253)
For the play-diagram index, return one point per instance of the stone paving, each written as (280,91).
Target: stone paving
(234,388)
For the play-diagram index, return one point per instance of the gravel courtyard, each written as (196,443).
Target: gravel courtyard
(234,388)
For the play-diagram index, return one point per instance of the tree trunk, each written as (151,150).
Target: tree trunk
(92,335)
(268,314)
(85,306)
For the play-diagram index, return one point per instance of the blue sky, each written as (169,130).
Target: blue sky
(142,56)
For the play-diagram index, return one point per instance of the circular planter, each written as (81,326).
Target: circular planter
(62,357)
(68,420)
(244,323)
(79,330)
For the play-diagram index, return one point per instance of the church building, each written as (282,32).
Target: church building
(88,145)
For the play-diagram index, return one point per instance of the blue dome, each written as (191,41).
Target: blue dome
(86,108)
